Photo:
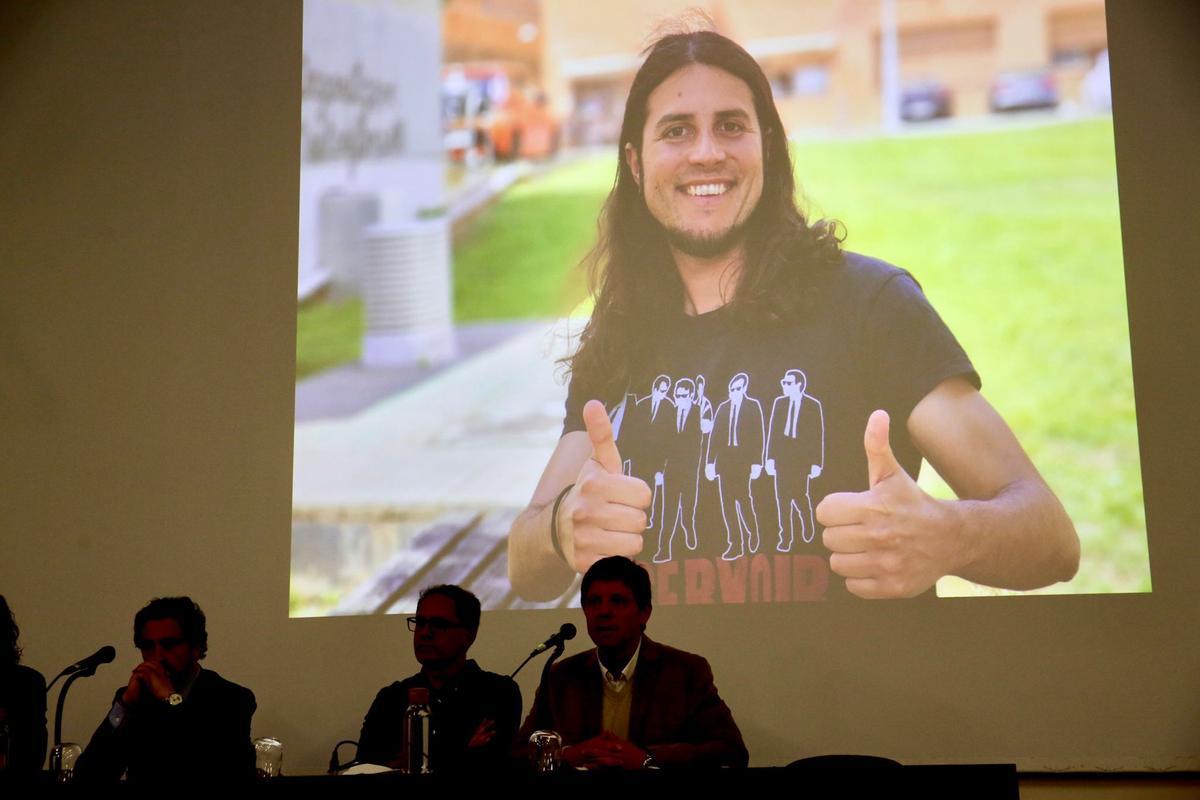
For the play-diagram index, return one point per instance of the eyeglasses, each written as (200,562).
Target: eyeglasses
(169,643)
(435,624)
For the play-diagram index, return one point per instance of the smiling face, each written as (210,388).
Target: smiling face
(700,168)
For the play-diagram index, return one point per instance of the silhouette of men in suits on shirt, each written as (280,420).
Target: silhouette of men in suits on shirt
(682,471)
(645,427)
(795,455)
(735,459)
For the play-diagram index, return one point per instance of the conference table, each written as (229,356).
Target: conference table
(831,778)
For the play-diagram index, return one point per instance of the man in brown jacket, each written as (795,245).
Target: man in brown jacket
(631,703)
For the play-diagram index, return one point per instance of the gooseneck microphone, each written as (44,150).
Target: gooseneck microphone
(557,641)
(565,634)
(87,666)
(84,668)
(104,655)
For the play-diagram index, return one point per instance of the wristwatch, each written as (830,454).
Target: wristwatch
(174,699)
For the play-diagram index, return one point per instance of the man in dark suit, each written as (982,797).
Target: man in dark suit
(795,456)
(174,720)
(681,472)
(735,461)
(646,426)
(631,703)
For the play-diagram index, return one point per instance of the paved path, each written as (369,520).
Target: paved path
(352,388)
(476,434)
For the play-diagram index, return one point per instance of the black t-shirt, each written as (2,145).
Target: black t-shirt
(752,425)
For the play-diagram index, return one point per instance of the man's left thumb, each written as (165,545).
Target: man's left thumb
(881,462)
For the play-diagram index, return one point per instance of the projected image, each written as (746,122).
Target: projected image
(456,158)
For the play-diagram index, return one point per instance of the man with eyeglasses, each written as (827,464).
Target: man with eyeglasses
(173,719)
(474,713)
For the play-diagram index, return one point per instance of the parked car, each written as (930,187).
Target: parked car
(925,100)
(1032,88)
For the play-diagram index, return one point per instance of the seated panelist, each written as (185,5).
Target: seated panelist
(174,719)
(629,702)
(474,713)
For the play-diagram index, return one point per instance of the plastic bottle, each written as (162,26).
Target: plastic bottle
(416,732)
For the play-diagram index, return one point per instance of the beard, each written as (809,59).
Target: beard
(712,245)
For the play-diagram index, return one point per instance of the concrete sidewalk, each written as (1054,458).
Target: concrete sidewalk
(476,434)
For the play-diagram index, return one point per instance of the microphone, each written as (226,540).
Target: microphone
(104,655)
(565,634)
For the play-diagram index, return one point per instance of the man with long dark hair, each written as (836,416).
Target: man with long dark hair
(705,268)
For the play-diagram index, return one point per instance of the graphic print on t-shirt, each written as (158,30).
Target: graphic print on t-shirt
(735,461)
(673,436)
(795,456)
(642,427)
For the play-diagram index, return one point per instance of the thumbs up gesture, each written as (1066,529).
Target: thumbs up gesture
(892,540)
(604,514)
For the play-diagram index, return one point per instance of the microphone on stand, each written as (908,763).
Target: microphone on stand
(104,655)
(87,666)
(565,634)
(84,668)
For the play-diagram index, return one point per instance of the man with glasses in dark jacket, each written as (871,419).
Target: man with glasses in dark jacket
(474,713)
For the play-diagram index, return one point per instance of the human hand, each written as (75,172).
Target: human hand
(769,466)
(483,734)
(604,514)
(605,751)
(710,471)
(755,471)
(892,540)
(148,676)
(133,692)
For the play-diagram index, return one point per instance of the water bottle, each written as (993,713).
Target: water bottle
(416,732)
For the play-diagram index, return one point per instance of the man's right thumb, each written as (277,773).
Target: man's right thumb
(599,430)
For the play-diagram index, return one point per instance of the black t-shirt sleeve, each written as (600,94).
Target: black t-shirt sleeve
(910,349)
(579,392)
(577,395)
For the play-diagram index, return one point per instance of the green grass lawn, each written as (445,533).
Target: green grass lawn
(519,259)
(515,260)
(328,333)
(1014,236)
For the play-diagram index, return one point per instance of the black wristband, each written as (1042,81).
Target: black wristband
(554,523)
